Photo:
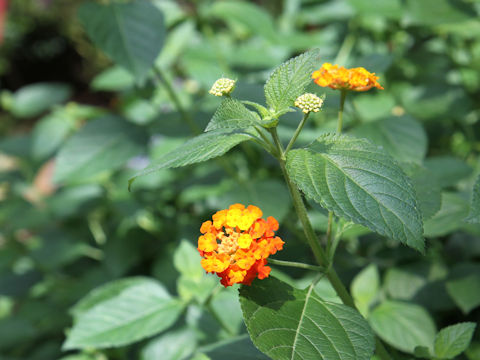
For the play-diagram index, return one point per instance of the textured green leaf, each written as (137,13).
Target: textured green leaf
(288,81)
(140,310)
(102,144)
(287,323)
(403,138)
(464,286)
(201,148)
(453,340)
(403,325)
(361,183)
(365,287)
(232,114)
(474,214)
(131,34)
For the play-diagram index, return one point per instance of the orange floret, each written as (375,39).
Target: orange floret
(338,77)
(237,243)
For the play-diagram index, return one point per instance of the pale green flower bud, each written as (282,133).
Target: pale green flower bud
(309,103)
(222,86)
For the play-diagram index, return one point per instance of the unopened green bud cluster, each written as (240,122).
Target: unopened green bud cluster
(309,103)
(222,86)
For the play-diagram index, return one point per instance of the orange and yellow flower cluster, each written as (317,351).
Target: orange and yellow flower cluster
(237,243)
(340,78)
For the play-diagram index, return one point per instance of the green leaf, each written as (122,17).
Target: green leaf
(104,293)
(429,192)
(102,144)
(435,12)
(449,217)
(187,260)
(232,114)
(474,214)
(115,78)
(174,345)
(288,81)
(32,100)
(403,138)
(287,323)
(201,148)
(131,34)
(390,9)
(138,311)
(193,282)
(237,348)
(365,287)
(422,352)
(48,134)
(361,183)
(464,286)
(270,195)
(453,340)
(403,325)
(447,170)
(251,16)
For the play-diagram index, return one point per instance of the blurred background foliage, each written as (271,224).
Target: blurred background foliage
(75,126)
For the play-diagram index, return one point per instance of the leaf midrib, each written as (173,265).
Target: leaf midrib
(323,156)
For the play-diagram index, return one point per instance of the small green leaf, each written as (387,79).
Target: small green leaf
(429,192)
(447,170)
(232,114)
(365,287)
(102,144)
(464,286)
(287,323)
(403,138)
(450,216)
(104,293)
(422,352)
(288,81)
(174,345)
(403,325)
(361,183)
(201,148)
(138,311)
(250,15)
(32,100)
(237,348)
(453,340)
(474,214)
(131,34)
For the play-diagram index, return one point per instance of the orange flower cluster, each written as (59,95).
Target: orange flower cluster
(237,243)
(335,77)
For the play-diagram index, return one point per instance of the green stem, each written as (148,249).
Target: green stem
(297,132)
(318,252)
(343,95)
(329,234)
(268,144)
(296,264)
(178,105)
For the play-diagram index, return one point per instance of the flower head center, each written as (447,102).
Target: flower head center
(228,242)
